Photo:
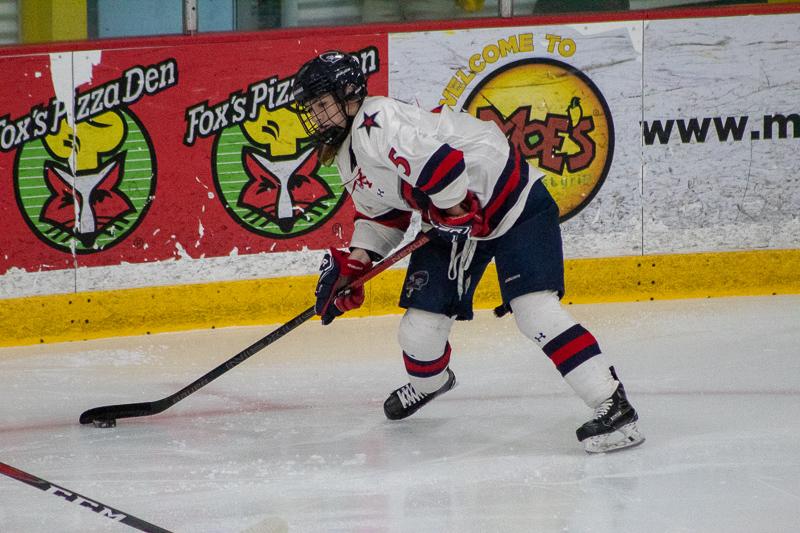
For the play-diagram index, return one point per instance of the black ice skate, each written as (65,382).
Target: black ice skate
(614,425)
(405,401)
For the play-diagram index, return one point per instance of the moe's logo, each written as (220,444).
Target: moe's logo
(83,182)
(550,111)
(266,172)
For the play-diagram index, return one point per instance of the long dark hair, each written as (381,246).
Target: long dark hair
(327,153)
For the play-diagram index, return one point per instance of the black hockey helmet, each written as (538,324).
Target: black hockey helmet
(333,72)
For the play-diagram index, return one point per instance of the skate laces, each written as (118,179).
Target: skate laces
(408,395)
(602,410)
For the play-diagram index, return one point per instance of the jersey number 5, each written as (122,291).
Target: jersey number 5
(400,162)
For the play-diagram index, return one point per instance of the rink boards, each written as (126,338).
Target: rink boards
(139,311)
(669,143)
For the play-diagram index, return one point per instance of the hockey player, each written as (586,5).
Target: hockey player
(483,202)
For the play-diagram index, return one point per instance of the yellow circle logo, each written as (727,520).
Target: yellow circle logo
(558,120)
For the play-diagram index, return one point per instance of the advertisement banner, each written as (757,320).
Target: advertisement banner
(658,136)
(569,99)
(185,155)
(185,162)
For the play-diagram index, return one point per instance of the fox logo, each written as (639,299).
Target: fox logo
(271,180)
(82,196)
(286,195)
(96,195)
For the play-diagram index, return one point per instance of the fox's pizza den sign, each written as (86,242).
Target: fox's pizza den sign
(120,157)
(266,172)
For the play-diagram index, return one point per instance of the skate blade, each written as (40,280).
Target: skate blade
(627,436)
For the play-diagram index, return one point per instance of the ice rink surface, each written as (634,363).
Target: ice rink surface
(295,438)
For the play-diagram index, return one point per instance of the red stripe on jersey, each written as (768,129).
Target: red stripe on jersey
(416,199)
(443,169)
(511,184)
(408,195)
(572,347)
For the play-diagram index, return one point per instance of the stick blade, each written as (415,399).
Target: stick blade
(125,410)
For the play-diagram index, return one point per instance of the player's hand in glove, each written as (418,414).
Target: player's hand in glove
(338,269)
(459,227)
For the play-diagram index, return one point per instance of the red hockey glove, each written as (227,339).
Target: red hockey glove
(459,228)
(336,271)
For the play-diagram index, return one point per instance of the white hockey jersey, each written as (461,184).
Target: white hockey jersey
(399,158)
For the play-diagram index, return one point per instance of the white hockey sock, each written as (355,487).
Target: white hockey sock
(592,381)
(428,384)
(426,352)
(571,348)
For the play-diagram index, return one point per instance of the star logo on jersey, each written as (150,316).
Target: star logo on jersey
(369,122)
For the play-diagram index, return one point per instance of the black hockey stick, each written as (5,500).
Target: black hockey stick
(107,415)
(71,496)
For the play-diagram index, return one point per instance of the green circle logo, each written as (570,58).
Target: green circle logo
(270,179)
(85,189)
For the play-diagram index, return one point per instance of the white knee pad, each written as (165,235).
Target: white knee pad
(540,316)
(423,338)
(423,335)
